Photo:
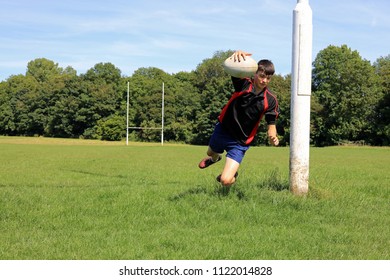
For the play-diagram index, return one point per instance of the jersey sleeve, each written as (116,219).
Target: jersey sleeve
(273,111)
(241,84)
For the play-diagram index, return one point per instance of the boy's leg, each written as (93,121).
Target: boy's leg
(228,176)
(212,158)
(234,157)
(214,154)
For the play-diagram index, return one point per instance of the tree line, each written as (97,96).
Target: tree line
(350,101)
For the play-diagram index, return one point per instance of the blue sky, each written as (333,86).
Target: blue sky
(176,35)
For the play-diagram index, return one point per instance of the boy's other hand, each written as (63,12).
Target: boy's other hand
(274,140)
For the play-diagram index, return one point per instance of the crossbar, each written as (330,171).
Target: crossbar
(137,127)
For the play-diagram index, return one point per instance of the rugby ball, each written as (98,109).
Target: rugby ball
(240,69)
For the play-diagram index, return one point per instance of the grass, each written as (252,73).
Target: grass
(78,199)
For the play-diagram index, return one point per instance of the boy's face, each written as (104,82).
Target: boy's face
(261,80)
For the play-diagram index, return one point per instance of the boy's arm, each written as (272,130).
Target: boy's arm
(272,135)
(240,84)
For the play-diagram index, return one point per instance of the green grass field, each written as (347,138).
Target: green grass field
(79,199)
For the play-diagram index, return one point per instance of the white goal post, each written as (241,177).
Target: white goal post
(142,128)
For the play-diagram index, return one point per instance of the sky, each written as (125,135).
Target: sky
(177,35)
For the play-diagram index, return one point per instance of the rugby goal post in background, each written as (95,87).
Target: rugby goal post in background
(141,128)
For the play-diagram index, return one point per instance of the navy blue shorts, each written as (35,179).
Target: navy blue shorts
(221,141)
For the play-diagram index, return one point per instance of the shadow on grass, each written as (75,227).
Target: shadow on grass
(219,191)
(193,191)
(222,191)
(95,174)
(272,181)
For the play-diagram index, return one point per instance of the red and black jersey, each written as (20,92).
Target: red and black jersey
(245,109)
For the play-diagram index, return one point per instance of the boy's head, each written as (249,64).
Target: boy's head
(263,74)
(266,67)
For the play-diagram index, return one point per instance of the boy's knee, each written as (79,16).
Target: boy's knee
(227,180)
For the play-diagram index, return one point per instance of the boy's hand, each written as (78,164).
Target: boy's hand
(238,55)
(272,135)
(274,140)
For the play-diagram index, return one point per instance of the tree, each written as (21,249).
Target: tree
(348,90)
(181,107)
(215,88)
(382,135)
(43,69)
(67,109)
(145,100)
(22,106)
(46,80)
(181,100)
(7,117)
(101,97)
(350,101)
(104,72)
(111,128)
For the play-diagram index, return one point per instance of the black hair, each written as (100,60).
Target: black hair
(266,66)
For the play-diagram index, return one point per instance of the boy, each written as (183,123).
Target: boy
(240,118)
